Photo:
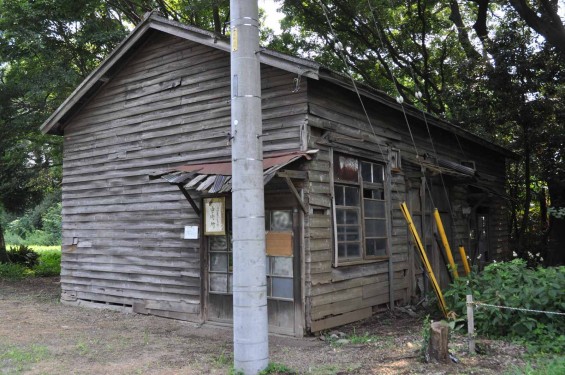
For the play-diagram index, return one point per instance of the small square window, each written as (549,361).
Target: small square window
(281,221)
(281,287)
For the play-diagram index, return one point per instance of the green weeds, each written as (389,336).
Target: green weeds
(32,261)
(16,359)
(513,284)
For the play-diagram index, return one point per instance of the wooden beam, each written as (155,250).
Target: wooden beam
(189,199)
(295,192)
(299,175)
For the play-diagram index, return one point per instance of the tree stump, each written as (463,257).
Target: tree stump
(437,348)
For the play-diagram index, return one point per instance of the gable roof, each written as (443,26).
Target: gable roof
(153,23)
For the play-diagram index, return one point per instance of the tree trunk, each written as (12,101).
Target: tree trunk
(556,244)
(3,254)
(528,194)
(439,338)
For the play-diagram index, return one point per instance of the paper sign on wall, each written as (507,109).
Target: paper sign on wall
(191,232)
(215,216)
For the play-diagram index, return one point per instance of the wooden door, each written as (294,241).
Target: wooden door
(281,267)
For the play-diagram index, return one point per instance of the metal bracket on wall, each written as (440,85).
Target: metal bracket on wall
(189,199)
(287,175)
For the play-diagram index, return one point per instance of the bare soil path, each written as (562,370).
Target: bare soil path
(38,335)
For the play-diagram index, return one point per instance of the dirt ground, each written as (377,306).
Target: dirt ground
(39,335)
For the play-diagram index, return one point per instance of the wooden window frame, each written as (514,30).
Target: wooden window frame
(362,185)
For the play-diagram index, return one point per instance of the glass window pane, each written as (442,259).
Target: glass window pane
(340,233)
(374,194)
(219,262)
(218,282)
(375,247)
(353,250)
(267,268)
(340,215)
(230,283)
(339,195)
(281,221)
(352,234)
(218,243)
(346,168)
(281,287)
(282,266)
(269,292)
(341,250)
(351,217)
(374,209)
(375,227)
(378,173)
(351,196)
(366,172)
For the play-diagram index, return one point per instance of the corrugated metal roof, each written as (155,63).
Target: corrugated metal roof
(215,177)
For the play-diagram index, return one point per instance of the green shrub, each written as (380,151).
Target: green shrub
(49,263)
(512,284)
(13,271)
(13,238)
(23,255)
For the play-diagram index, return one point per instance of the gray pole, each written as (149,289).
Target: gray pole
(250,325)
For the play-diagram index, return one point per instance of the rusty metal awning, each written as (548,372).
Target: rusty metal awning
(215,176)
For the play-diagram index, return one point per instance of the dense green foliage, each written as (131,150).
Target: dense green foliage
(39,261)
(513,284)
(40,225)
(13,271)
(23,255)
(481,65)
(49,263)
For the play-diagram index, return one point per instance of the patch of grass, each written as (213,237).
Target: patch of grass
(12,271)
(41,248)
(362,339)
(277,368)
(82,348)
(546,365)
(16,359)
(325,370)
(223,359)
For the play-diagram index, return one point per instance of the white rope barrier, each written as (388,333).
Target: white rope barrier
(471,319)
(478,304)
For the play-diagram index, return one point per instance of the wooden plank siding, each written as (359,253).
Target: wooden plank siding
(338,295)
(122,233)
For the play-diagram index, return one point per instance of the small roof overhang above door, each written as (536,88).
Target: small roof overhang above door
(215,177)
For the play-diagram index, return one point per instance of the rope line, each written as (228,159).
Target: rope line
(478,304)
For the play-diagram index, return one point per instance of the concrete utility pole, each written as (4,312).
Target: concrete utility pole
(250,325)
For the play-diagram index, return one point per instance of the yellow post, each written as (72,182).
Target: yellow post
(464,259)
(445,244)
(424,257)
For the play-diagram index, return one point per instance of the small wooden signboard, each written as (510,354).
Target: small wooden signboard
(279,243)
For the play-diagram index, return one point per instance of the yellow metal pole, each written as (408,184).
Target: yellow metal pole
(464,259)
(424,257)
(445,244)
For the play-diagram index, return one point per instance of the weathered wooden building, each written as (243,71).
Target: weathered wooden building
(338,246)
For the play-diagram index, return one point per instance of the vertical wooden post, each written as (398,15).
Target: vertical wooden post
(470,324)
